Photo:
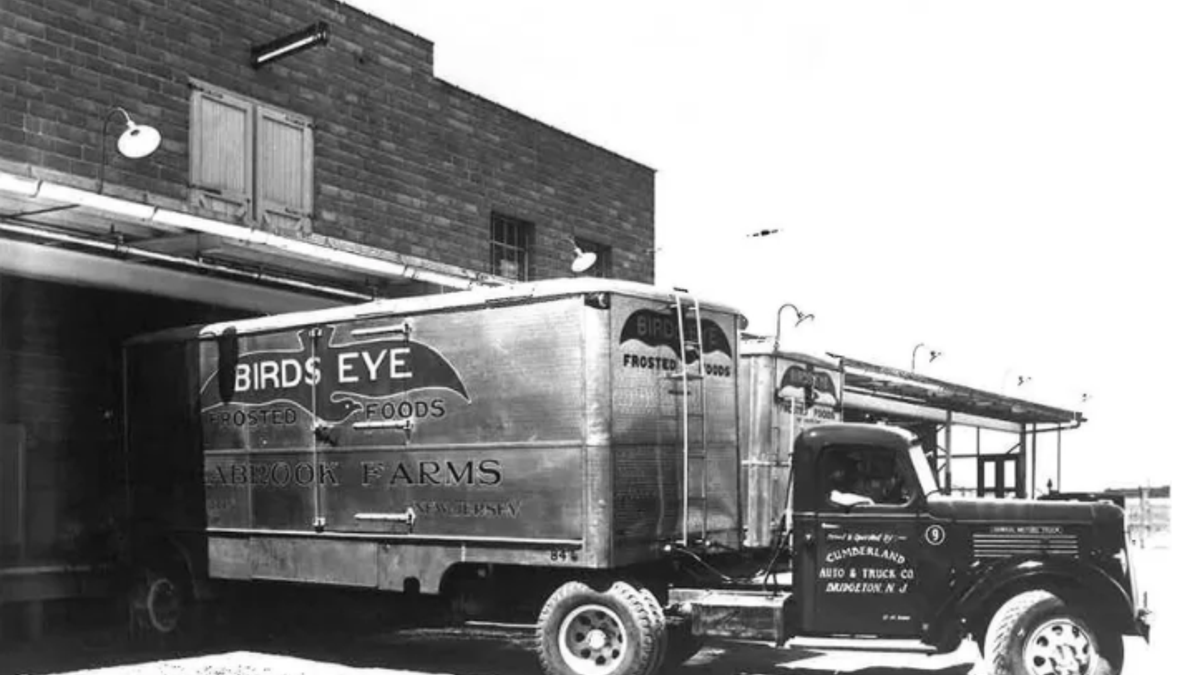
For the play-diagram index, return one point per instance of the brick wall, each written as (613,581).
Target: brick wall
(403,160)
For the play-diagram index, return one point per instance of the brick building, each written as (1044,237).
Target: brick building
(340,172)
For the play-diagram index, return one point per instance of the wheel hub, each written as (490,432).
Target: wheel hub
(592,640)
(596,639)
(163,605)
(1060,647)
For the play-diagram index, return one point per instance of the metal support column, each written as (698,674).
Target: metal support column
(1023,455)
(949,453)
(979,462)
(1058,471)
(1033,475)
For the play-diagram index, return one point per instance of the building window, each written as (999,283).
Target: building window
(512,239)
(250,161)
(603,266)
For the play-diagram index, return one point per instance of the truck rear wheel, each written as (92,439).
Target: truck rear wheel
(1037,633)
(659,621)
(584,631)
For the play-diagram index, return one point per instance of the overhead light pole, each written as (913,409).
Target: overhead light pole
(933,355)
(801,317)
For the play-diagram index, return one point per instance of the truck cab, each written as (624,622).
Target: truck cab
(879,553)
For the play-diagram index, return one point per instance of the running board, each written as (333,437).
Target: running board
(861,644)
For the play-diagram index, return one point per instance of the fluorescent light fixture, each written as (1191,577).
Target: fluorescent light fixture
(316,34)
(26,187)
(122,207)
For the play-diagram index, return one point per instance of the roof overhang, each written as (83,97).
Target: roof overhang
(158,232)
(898,393)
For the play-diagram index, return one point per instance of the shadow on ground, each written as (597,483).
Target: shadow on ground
(463,651)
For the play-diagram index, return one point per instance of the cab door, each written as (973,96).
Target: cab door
(866,567)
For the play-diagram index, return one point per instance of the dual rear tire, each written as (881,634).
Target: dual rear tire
(616,629)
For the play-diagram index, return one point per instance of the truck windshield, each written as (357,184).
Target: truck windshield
(925,475)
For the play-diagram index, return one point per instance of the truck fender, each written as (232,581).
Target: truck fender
(1104,594)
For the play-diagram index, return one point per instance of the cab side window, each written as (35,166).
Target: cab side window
(853,476)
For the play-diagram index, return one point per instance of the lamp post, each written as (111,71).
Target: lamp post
(1022,380)
(801,317)
(933,355)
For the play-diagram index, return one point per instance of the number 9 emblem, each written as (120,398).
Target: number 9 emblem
(935,535)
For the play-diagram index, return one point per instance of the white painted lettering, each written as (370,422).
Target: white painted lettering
(345,367)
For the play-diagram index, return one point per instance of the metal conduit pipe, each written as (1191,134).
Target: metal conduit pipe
(124,249)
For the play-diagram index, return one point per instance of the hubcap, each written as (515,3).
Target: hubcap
(592,640)
(1060,647)
(163,605)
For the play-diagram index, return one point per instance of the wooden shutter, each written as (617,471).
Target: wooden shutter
(284,172)
(221,133)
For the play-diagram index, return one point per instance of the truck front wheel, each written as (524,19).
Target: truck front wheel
(585,631)
(1037,633)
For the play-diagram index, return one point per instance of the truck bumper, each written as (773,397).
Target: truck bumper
(1142,623)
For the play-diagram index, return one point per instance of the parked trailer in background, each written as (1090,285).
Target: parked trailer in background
(570,453)
(781,394)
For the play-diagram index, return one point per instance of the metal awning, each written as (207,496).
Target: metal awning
(54,214)
(901,393)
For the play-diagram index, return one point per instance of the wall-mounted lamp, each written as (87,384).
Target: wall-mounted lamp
(316,34)
(584,260)
(136,142)
(801,317)
(933,355)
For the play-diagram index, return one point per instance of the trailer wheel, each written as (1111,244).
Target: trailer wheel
(582,631)
(164,609)
(1037,633)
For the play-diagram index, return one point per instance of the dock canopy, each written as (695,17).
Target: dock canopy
(897,394)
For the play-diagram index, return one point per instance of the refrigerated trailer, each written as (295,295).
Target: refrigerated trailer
(570,452)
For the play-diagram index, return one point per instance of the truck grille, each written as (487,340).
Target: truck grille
(989,545)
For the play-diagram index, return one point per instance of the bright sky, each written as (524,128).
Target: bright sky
(1009,183)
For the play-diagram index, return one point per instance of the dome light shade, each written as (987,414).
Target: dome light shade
(583,261)
(138,140)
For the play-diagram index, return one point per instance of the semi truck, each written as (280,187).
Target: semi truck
(577,454)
